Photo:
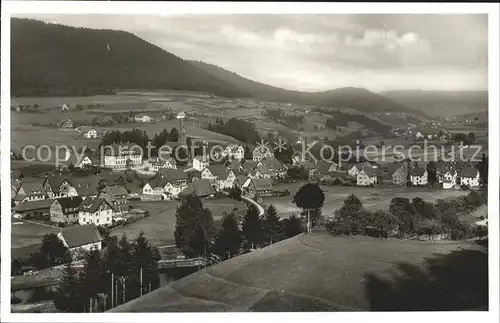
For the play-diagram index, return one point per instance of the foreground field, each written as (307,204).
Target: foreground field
(372,198)
(323,273)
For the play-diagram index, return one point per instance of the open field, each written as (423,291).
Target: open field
(25,234)
(159,227)
(372,197)
(323,273)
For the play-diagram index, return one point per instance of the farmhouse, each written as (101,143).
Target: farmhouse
(261,152)
(264,171)
(278,170)
(219,176)
(85,161)
(65,209)
(79,239)
(325,167)
(86,190)
(470,177)
(354,169)
(117,197)
(261,187)
(30,191)
(67,123)
(201,188)
(39,209)
(95,210)
(418,176)
(122,156)
(143,118)
(57,185)
(167,184)
(234,151)
(200,163)
(366,177)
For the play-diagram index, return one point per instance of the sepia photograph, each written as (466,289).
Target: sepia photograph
(236,162)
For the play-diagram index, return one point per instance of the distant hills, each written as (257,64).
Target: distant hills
(51,59)
(441,102)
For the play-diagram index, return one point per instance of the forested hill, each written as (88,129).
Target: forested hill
(349,97)
(51,59)
(55,59)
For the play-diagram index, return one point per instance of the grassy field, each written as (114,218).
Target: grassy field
(323,273)
(159,227)
(25,234)
(372,198)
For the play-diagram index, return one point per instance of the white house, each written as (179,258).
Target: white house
(200,163)
(91,134)
(449,175)
(418,176)
(448,184)
(65,210)
(168,184)
(95,210)
(163,163)
(219,176)
(469,177)
(366,177)
(142,118)
(234,151)
(262,152)
(79,239)
(121,156)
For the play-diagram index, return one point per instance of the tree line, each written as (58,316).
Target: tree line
(197,235)
(409,218)
(241,130)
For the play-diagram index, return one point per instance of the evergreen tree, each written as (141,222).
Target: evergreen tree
(198,242)
(228,240)
(191,215)
(291,226)
(252,226)
(174,134)
(67,297)
(272,227)
(92,276)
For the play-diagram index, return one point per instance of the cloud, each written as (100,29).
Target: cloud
(318,52)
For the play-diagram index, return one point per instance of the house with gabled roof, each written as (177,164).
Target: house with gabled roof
(277,169)
(261,152)
(39,209)
(79,239)
(86,190)
(234,151)
(469,176)
(219,175)
(117,197)
(122,156)
(57,185)
(398,176)
(201,188)
(257,186)
(163,163)
(418,176)
(95,210)
(65,209)
(366,177)
(30,191)
(166,185)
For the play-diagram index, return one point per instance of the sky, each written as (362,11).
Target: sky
(321,52)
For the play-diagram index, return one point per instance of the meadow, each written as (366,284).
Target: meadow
(319,272)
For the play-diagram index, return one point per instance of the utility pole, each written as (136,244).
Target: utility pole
(124,299)
(308,221)
(141,280)
(112,290)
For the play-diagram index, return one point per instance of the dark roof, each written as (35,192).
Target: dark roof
(234,164)
(218,170)
(56,180)
(173,175)
(34,205)
(200,188)
(369,171)
(469,172)
(264,169)
(91,204)
(417,171)
(31,188)
(115,190)
(336,173)
(262,184)
(273,164)
(70,202)
(249,164)
(323,166)
(86,190)
(80,235)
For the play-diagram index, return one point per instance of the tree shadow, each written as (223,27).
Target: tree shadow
(453,282)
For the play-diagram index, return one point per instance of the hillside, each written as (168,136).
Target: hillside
(51,59)
(348,97)
(441,102)
(323,273)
